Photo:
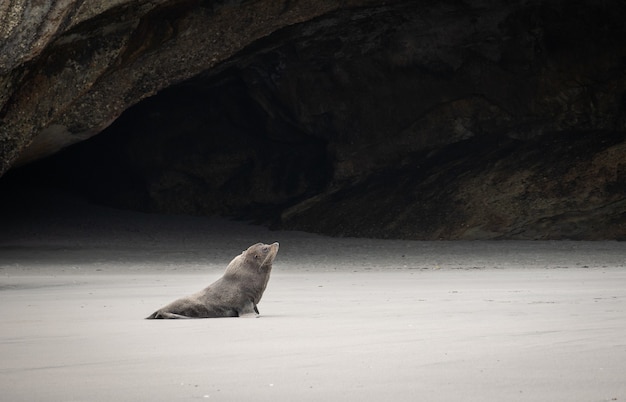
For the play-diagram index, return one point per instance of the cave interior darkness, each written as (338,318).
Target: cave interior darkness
(205,148)
(372,123)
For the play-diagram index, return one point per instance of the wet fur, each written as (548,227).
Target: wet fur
(236,293)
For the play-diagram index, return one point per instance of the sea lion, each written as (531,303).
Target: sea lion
(236,293)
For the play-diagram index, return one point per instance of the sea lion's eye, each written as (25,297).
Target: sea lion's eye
(265,249)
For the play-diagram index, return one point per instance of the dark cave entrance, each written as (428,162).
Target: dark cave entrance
(204,147)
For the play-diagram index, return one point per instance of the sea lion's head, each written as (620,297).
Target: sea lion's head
(261,255)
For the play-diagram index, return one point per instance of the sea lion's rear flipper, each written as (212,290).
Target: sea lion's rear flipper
(165,315)
(256,309)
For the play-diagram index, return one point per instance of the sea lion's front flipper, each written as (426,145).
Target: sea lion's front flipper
(249,309)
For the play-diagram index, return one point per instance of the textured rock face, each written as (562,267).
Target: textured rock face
(70,68)
(410,119)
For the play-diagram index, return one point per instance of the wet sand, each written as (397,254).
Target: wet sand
(341,319)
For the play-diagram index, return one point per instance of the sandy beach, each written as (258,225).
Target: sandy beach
(341,320)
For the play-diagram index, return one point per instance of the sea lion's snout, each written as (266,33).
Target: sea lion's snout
(274,249)
(270,251)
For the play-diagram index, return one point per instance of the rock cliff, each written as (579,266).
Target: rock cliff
(406,119)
